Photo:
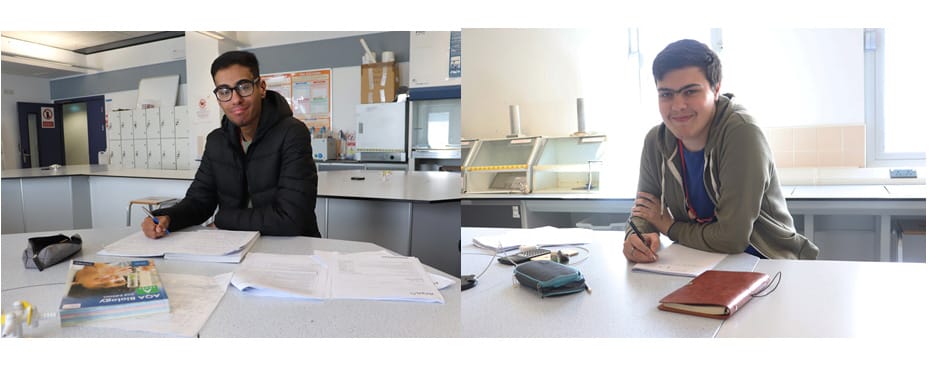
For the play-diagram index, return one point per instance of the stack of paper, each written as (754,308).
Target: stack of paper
(280,275)
(680,260)
(211,245)
(330,275)
(541,236)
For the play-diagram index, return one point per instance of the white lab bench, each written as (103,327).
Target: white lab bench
(412,213)
(847,222)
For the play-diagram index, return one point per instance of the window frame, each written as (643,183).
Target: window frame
(877,155)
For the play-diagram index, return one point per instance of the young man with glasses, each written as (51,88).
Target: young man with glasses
(257,167)
(707,178)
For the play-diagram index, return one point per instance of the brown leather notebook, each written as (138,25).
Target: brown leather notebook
(715,294)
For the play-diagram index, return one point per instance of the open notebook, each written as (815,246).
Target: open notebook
(680,260)
(210,245)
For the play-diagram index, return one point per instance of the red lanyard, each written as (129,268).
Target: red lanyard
(689,207)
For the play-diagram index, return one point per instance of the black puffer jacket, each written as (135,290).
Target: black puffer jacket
(278,174)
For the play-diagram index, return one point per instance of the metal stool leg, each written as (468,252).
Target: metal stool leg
(129,212)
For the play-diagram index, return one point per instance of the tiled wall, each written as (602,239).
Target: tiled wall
(824,146)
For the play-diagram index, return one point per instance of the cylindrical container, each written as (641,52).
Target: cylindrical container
(388,56)
(515,115)
(580,116)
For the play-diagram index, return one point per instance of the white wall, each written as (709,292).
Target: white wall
(796,77)
(544,71)
(17,89)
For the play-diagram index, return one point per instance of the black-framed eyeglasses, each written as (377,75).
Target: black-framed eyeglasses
(243,87)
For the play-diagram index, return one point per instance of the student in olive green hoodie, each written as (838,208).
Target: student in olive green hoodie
(709,148)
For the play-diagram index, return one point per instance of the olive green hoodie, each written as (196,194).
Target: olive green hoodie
(741,180)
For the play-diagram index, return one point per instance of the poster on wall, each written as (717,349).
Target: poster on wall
(280,83)
(310,93)
(48,117)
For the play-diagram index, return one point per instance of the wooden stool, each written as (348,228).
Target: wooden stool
(151,202)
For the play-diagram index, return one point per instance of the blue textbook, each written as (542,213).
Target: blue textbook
(110,290)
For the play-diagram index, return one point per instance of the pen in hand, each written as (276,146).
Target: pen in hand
(636,231)
(156,219)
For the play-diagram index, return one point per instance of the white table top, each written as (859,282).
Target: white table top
(622,303)
(814,299)
(838,299)
(239,315)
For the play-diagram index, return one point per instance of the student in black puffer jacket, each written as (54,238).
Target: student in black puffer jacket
(257,167)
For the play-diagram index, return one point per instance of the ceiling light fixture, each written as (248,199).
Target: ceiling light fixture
(212,34)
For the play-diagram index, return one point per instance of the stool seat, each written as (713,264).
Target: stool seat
(151,202)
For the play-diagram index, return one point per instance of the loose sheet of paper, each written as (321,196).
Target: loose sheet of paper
(379,277)
(680,260)
(541,236)
(279,275)
(192,299)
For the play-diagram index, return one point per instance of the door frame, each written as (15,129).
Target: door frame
(96,123)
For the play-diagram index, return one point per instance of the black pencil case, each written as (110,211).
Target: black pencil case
(44,251)
(549,278)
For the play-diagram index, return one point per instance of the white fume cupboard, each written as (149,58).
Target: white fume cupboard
(153,138)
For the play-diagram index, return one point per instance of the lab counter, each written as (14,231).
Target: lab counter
(848,222)
(412,213)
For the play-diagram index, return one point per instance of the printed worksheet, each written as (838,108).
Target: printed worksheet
(282,275)
(366,276)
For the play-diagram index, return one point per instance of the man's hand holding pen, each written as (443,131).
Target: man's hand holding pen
(640,247)
(155,226)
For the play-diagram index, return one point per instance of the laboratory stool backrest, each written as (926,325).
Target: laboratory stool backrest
(150,202)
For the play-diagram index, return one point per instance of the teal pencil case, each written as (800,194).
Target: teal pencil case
(549,278)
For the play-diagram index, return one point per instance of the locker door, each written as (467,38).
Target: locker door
(129,153)
(167,123)
(154,150)
(126,125)
(153,123)
(182,153)
(140,149)
(116,153)
(113,126)
(139,124)
(168,153)
(182,126)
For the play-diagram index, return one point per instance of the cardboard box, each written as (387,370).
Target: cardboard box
(379,82)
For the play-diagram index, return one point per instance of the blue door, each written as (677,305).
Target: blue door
(42,139)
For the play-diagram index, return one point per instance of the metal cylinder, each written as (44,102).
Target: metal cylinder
(580,116)
(515,115)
